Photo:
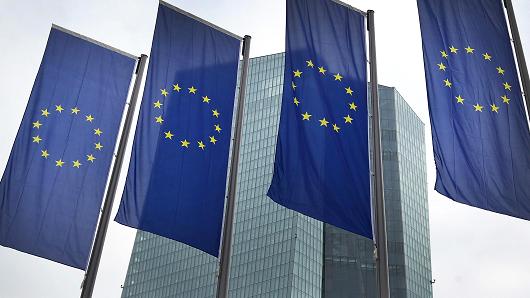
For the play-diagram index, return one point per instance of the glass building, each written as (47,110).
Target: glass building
(349,267)
(281,253)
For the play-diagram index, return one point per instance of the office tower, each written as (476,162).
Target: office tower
(349,267)
(280,253)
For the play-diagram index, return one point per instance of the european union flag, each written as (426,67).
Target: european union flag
(51,190)
(322,167)
(177,176)
(479,130)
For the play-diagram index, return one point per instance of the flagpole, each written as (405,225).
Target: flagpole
(521,63)
(95,256)
(226,245)
(378,202)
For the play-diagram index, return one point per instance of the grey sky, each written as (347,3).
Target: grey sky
(474,253)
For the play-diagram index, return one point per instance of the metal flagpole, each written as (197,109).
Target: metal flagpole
(378,202)
(226,245)
(521,63)
(95,257)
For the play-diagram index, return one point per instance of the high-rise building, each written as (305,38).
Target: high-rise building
(281,253)
(349,267)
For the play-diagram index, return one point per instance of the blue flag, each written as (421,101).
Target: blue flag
(480,134)
(321,167)
(177,176)
(53,185)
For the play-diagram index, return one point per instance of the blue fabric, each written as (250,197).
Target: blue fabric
(322,170)
(480,135)
(172,190)
(54,182)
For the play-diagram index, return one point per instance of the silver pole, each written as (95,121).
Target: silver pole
(226,245)
(378,201)
(95,257)
(521,63)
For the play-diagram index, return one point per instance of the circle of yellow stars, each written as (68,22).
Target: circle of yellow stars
(58,110)
(184,143)
(350,105)
(487,58)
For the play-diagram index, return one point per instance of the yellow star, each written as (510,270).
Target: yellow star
(98,146)
(505,99)
(459,99)
(487,56)
(215,113)
(201,145)
(507,86)
(442,66)
(192,90)
(347,119)
(478,108)
(164,92)
(323,122)
(293,85)
(45,112)
(206,99)
(353,106)
(349,91)
(310,63)
(494,108)
(77,164)
(59,163)
(97,131)
(75,110)
(37,139)
(159,119)
(453,49)
(169,135)
(444,54)
(212,140)
(296,102)
(217,128)
(157,104)
(44,153)
(500,70)
(184,143)
(297,73)
(447,83)
(322,70)
(176,87)
(89,118)
(469,50)
(306,116)
(336,127)
(90,158)
(338,77)
(37,124)
(59,108)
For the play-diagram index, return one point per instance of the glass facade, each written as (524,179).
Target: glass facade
(349,265)
(280,253)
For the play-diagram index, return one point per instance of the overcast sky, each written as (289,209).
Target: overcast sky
(475,253)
